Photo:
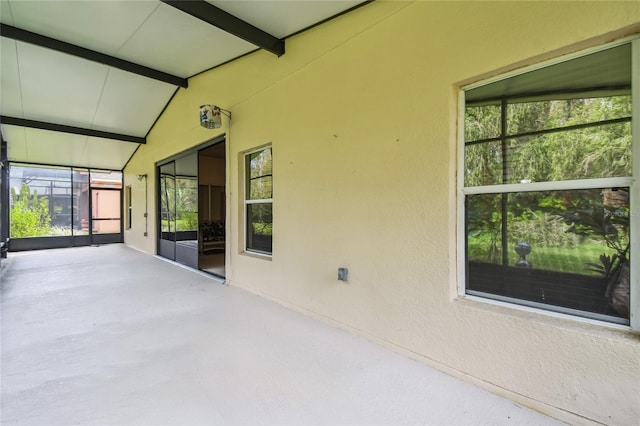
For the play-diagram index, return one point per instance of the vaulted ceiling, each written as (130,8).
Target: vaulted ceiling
(83,82)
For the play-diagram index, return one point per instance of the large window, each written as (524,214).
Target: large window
(63,201)
(546,187)
(41,202)
(259,201)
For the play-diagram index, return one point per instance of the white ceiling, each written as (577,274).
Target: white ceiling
(53,87)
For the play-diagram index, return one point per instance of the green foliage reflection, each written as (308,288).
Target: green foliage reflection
(29,214)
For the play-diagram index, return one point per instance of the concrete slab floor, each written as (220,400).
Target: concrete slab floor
(109,335)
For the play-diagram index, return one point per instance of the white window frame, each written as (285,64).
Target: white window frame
(632,182)
(247,202)
(128,209)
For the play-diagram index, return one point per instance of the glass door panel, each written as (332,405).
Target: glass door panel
(186,201)
(106,206)
(80,179)
(167,210)
(106,211)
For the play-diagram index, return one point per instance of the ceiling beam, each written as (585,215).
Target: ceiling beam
(50,43)
(13,121)
(227,22)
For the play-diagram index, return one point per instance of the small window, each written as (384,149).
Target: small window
(546,182)
(259,201)
(127,200)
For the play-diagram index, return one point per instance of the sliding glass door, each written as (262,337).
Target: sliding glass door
(178,210)
(167,210)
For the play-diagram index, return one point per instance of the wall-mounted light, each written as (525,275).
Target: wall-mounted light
(140,177)
(210,116)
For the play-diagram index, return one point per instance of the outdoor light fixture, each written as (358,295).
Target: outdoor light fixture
(210,116)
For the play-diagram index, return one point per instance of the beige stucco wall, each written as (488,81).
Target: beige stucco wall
(361,114)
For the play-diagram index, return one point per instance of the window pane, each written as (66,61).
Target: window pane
(60,205)
(127,204)
(106,179)
(106,211)
(484,228)
(106,208)
(259,175)
(186,204)
(481,122)
(168,201)
(259,227)
(595,152)
(261,188)
(564,248)
(260,163)
(40,202)
(533,116)
(80,202)
(483,164)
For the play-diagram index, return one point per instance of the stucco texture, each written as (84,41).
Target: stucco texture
(361,114)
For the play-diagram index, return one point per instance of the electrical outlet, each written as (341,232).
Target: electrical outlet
(343,274)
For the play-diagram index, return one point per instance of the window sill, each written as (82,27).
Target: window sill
(549,318)
(257,255)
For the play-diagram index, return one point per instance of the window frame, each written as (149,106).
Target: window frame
(246,201)
(463,191)
(128,208)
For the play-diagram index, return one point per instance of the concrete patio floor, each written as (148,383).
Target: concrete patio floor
(109,335)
